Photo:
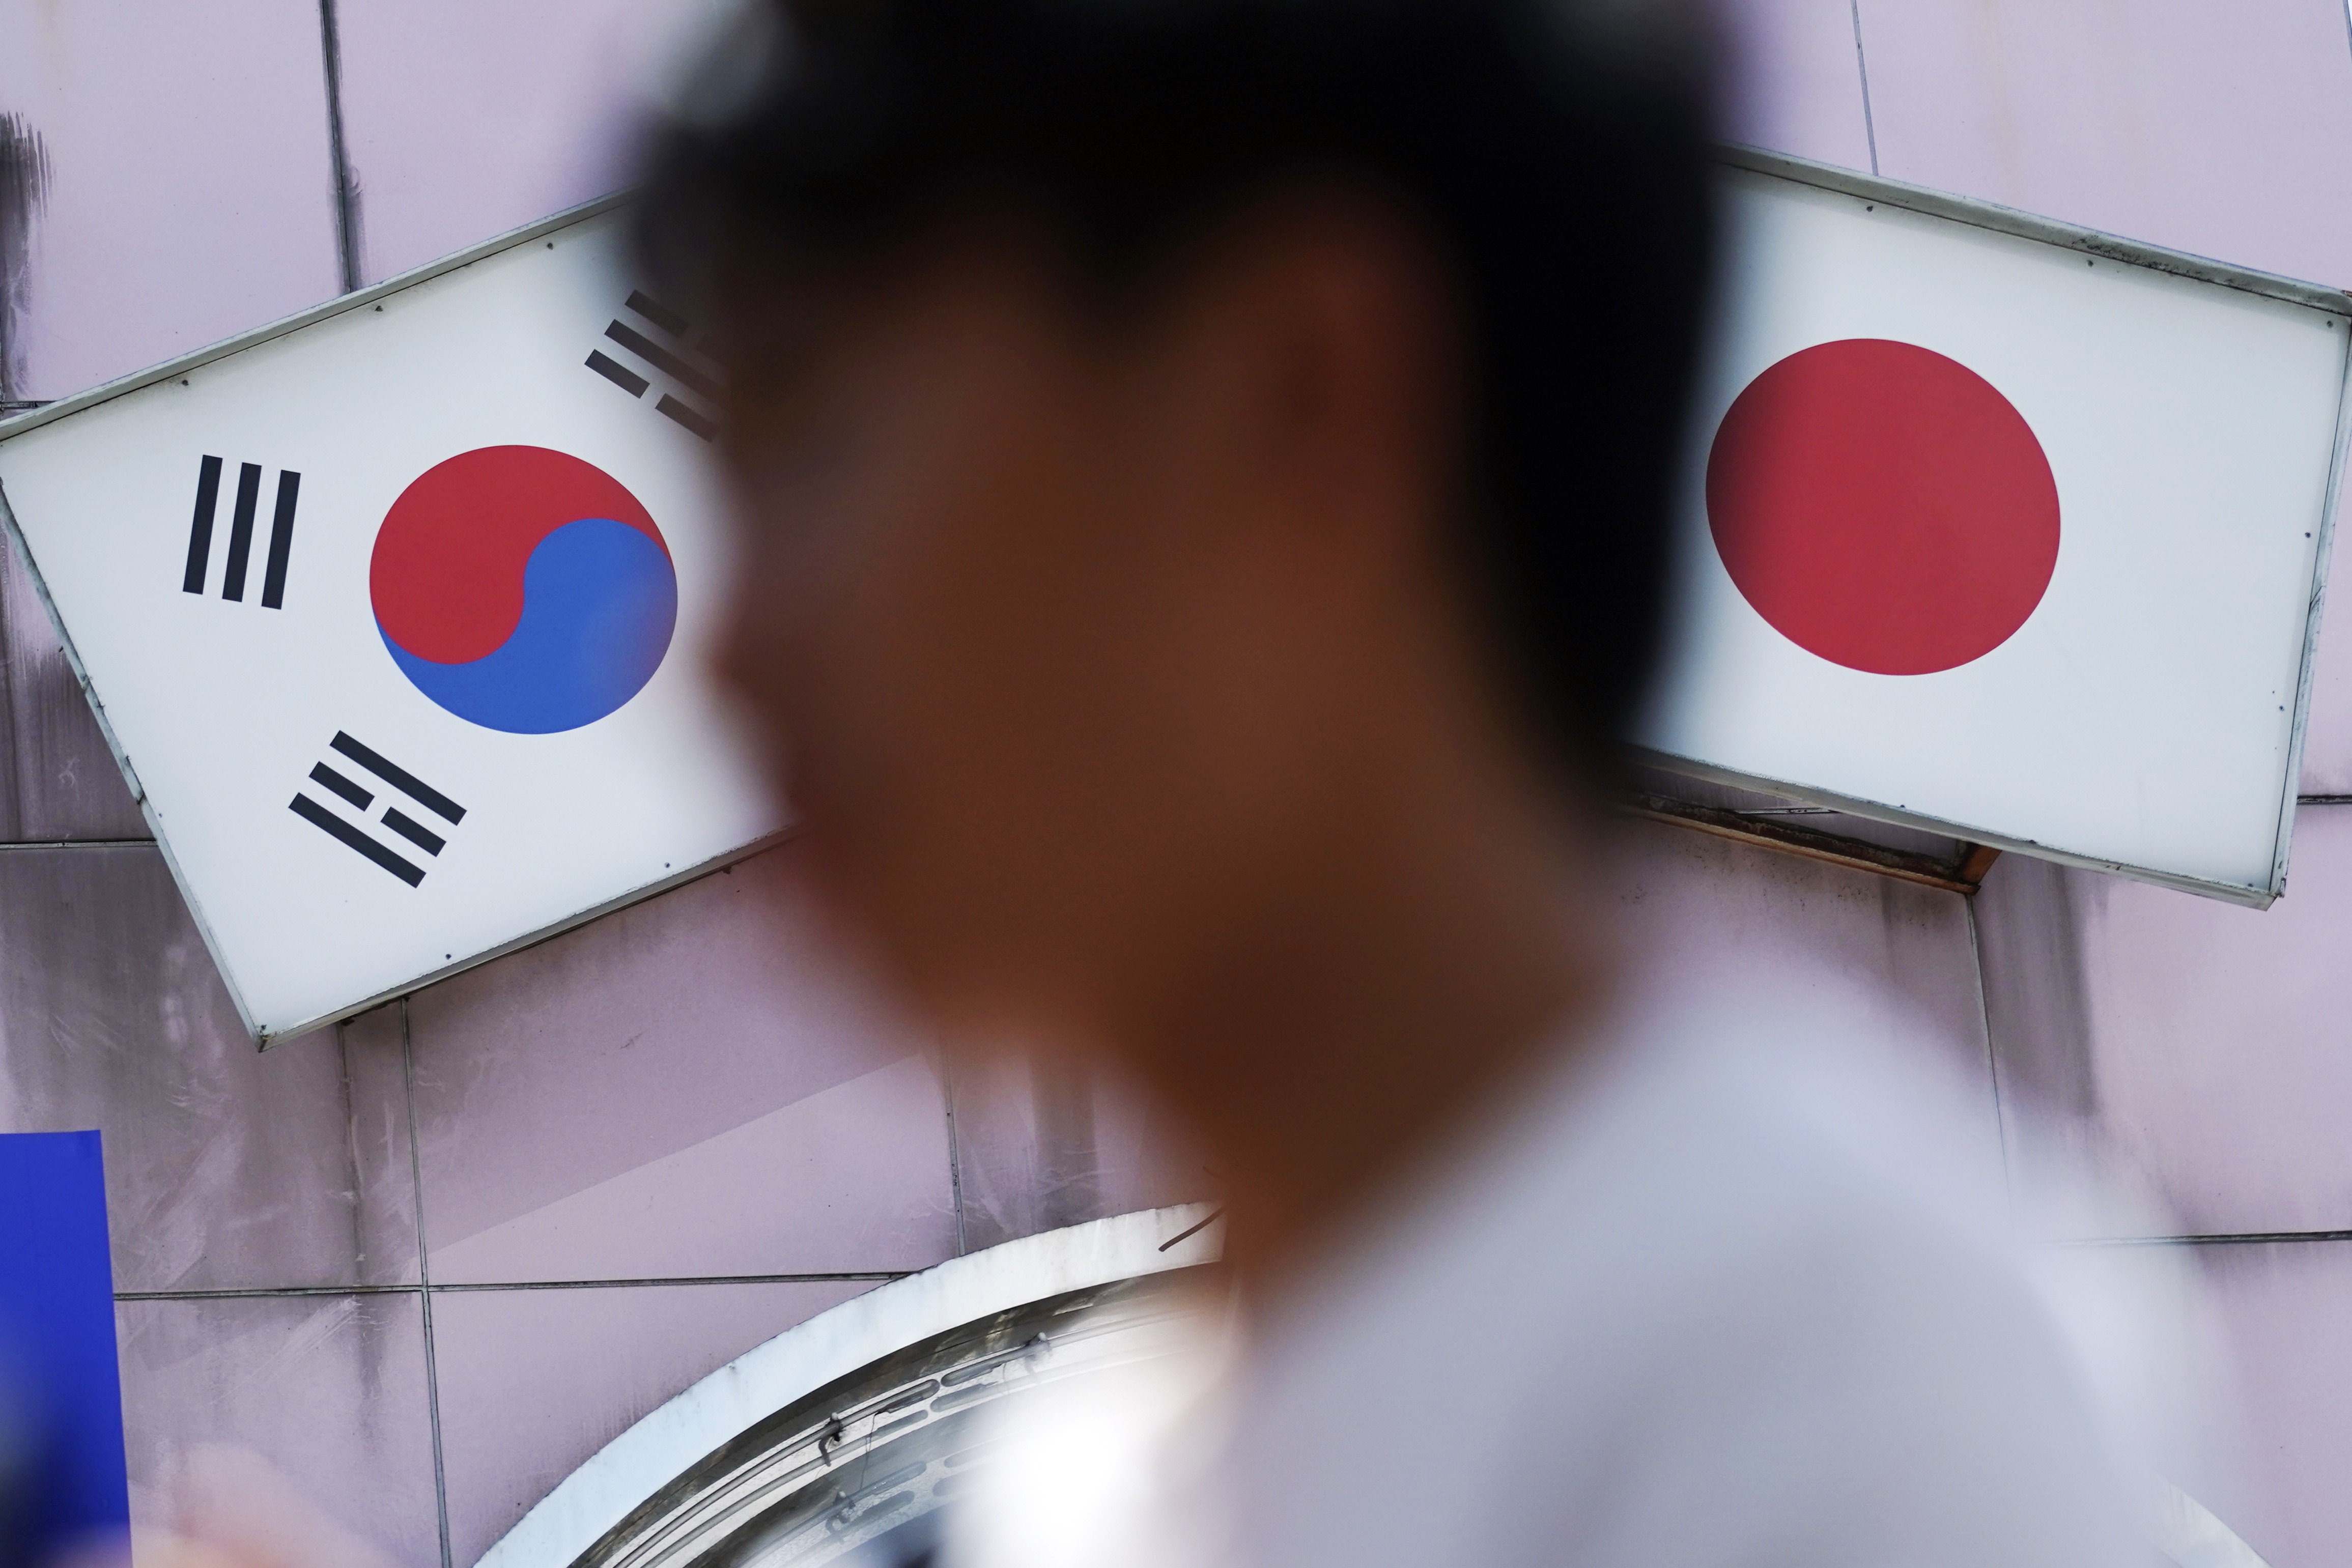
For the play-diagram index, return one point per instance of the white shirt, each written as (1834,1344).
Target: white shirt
(1723,1289)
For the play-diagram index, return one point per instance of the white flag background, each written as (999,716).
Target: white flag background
(2144,713)
(225,709)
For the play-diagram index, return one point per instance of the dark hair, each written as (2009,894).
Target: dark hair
(1555,150)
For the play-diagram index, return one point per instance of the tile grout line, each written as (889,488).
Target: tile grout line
(1992,1057)
(477,1287)
(351,1146)
(347,191)
(298,1292)
(879,1276)
(1862,67)
(955,1150)
(268,1293)
(424,1286)
(9,669)
(2244,1238)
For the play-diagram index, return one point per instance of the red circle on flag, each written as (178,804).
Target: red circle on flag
(1882,507)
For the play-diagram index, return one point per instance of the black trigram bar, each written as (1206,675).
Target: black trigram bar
(200,531)
(240,533)
(619,374)
(685,416)
(667,361)
(322,774)
(414,832)
(701,425)
(357,838)
(317,816)
(281,540)
(661,358)
(654,311)
(400,779)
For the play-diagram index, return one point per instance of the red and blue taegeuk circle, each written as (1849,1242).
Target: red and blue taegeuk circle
(524,590)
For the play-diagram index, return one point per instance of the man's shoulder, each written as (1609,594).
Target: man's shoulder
(1731,1130)
(1705,1164)
(1736,1275)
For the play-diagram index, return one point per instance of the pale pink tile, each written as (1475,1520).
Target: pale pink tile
(464,121)
(187,190)
(800,1189)
(2282,1308)
(225,1168)
(2211,128)
(2190,1051)
(581,1102)
(534,1381)
(1796,79)
(300,1417)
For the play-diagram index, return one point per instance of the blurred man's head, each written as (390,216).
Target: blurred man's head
(1203,461)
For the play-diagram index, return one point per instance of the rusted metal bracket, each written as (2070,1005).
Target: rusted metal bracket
(1963,875)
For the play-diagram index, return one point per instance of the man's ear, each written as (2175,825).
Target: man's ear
(1341,353)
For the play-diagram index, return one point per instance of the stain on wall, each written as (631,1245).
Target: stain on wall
(24,181)
(2030,920)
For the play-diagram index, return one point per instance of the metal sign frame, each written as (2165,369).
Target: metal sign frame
(358,300)
(2103,247)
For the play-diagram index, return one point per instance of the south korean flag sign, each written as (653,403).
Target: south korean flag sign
(395,615)
(2006,529)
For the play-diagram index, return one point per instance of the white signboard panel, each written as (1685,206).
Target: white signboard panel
(2007,529)
(396,616)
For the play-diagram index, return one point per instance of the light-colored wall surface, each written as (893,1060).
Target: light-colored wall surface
(427,1262)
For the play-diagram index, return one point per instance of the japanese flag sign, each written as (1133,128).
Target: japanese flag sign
(2006,529)
(394,614)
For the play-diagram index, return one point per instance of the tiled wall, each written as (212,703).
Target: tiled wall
(424,1264)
